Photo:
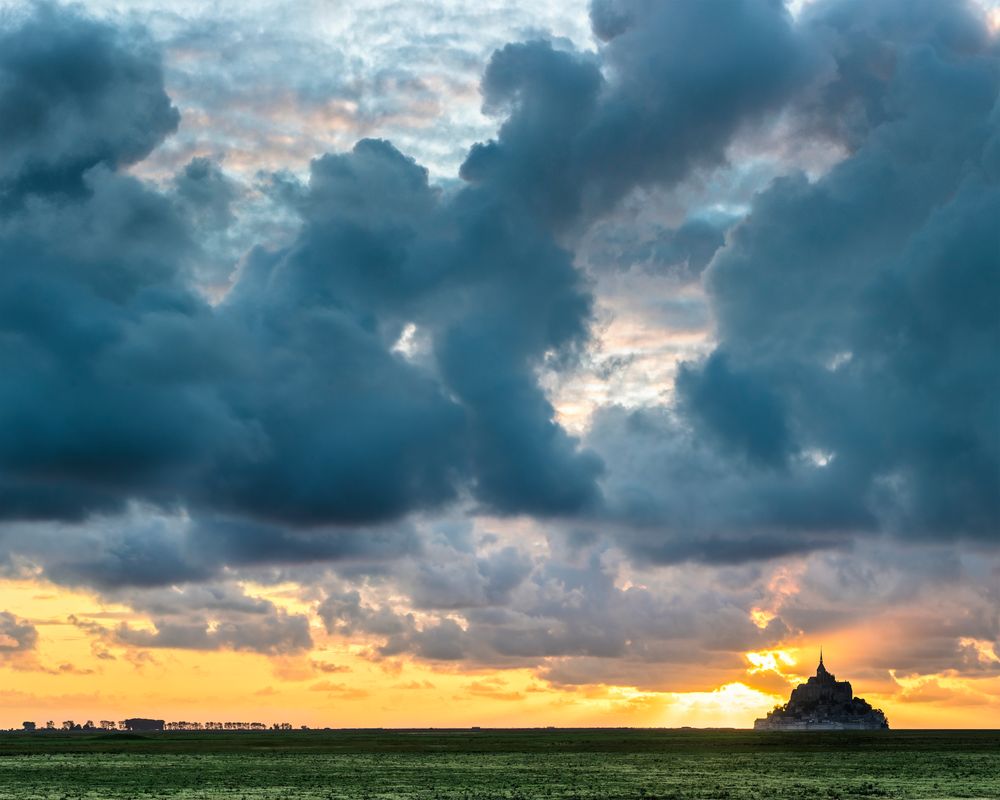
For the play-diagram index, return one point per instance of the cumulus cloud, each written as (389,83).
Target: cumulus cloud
(288,401)
(16,635)
(273,635)
(573,616)
(208,616)
(381,363)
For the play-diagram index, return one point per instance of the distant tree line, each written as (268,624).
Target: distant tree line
(227,726)
(158,724)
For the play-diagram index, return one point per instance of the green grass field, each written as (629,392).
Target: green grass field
(502,764)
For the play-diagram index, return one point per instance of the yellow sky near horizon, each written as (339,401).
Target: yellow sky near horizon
(77,672)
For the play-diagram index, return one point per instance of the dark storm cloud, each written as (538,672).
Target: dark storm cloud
(743,412)
(676,496)
(287,402)
(582,133)
(240,543)
(64,81)
(145,554)
(864,41)
(376,434)
(858,313)
(109,359)
(144,549)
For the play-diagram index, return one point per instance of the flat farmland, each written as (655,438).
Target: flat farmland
(474,765)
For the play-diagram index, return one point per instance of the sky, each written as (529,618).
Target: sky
(502,364)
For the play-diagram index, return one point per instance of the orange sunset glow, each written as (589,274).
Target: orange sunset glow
(78,672)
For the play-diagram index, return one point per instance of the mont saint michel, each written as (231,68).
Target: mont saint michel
(823,703)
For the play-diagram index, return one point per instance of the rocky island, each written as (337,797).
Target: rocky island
(823,703)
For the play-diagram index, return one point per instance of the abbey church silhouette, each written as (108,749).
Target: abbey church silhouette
(823,703)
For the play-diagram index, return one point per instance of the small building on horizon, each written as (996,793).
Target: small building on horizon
(141,725)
